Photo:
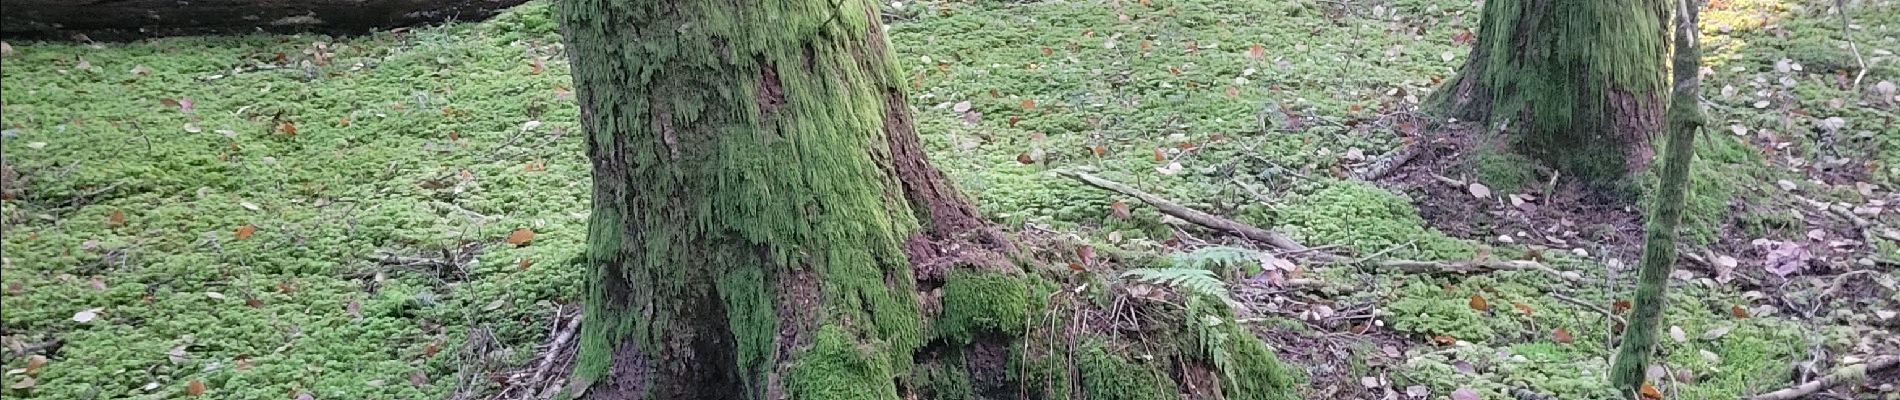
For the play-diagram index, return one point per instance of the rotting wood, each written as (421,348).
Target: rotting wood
(1843,375)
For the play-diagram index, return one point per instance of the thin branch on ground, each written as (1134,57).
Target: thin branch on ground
(1843,375)
(1580,303)
(1847,32)
(1271,238)
(1386,166)
(1472,267)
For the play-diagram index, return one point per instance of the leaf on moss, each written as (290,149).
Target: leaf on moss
(521,237)
(1649,391)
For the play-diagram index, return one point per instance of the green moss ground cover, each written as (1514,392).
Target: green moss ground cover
(448,139)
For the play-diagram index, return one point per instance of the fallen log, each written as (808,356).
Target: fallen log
(142,18)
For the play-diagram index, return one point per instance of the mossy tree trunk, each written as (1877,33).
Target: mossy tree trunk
(756,183)
(766,226)
(1577,83)
(1659,242)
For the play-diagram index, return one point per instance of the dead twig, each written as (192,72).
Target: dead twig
(1472,267)
(1580,303)
(1385,166)
(1250,232)
(1843,375)
(1847,32)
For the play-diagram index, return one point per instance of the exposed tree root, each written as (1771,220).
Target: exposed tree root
(1250,232)
(1843,375)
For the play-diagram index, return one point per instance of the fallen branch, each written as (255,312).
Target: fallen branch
(1385,166)
(1250,232)
(1843,375)
(48,347)
(1599,309)
(1473,267)
(547,376)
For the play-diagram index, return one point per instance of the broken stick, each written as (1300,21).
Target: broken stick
(1472,267)
(1250,232)
(1851,373)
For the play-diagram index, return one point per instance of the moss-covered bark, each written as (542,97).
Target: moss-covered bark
(745,196)
(766,226)
(1578,83)
(1659,244)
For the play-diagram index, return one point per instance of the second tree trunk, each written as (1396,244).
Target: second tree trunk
(1578,83)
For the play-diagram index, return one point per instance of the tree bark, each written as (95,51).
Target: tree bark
(1659,244)
(1577,83)
(750,208)
(766,226)
(106,18)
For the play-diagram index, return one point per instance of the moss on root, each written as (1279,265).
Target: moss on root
(983,301)
(1106,375)
(840,367)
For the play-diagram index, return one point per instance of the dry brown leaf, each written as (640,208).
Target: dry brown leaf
(1119,209)
(35,362)
(195,387)
(1444,339)
(1029,104)
(1649,391)
(1738,311)
(523,263)
(116,218)
(1561,335)
(245,232)
(1478,303)
(1524,308)
(521,237)
(1257,51)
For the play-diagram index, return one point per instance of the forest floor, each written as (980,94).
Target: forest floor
(395,215)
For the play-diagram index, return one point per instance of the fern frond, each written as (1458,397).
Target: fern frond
(1192,280)
(1220,259)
